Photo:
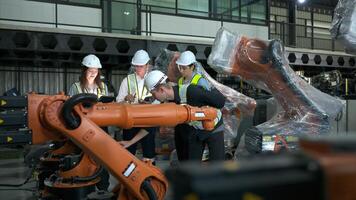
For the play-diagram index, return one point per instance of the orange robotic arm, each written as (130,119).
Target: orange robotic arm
(79,118)
(305,109)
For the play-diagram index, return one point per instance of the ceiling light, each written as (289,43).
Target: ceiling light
(301,1)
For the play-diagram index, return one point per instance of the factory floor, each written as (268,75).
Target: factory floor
(13,171)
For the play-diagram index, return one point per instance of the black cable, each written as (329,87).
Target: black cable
(29,175)
(147,187)
(72,121)
(90,178)
(84,179)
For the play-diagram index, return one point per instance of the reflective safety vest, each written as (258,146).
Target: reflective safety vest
(194,81)
(99,92)
(133,87)
(196,124)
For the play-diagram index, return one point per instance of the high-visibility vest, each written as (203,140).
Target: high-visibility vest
(133,87)
(99,92)
(196,124)
(193,81)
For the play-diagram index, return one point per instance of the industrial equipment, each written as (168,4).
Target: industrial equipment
(70,149)
(263,64)
(328,82)
(324,169)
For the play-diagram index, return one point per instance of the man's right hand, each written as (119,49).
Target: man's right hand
(130,98)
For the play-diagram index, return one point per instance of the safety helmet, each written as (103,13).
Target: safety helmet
(91,61)
(141,57)
(154,78)
(186,58)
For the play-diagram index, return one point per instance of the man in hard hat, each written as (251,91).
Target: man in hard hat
(132,90)
(90,80)
(193,95)
(186,66)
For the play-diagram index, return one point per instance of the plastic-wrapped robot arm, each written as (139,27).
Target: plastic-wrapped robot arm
(263,64)
(343,25)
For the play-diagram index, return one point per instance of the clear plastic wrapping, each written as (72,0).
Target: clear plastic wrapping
(166,62)
(343,27)
(305,110)
(236,102)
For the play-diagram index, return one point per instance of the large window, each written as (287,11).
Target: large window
(124,17)
(224,9)
(258,12)
(165,6)
(85,2)
(90,3)
(249,11)
(193,7)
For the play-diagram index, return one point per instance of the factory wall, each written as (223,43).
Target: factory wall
(46,13)
(46,80)
(73,16)
(197,27)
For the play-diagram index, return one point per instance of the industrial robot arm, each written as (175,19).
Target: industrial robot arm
(263,64)
(78,119)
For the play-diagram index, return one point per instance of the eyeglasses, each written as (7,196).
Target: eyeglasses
(182,67)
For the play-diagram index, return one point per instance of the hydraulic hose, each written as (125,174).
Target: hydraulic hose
(84,179)
(147,187)
(71,121)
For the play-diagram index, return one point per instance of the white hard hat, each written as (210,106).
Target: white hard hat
(186,58)
(154,78)
(91,61)
(141,57)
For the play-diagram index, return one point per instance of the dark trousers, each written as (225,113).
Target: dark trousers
(147,142)
(104,183)
(181,140)
(200,138)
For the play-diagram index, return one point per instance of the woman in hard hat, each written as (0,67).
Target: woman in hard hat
(132,90)
(186,66)
(89,80)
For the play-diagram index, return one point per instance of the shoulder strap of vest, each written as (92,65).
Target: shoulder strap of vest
(132,84)
(183,93)
(180,81)
(195,79)
(77,85)
(102,90)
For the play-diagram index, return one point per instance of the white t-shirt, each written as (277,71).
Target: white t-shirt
(124,89)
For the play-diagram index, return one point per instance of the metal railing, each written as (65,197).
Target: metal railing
(308,37)
(304,36)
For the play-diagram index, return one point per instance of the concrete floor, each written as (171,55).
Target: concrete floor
(13,171)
